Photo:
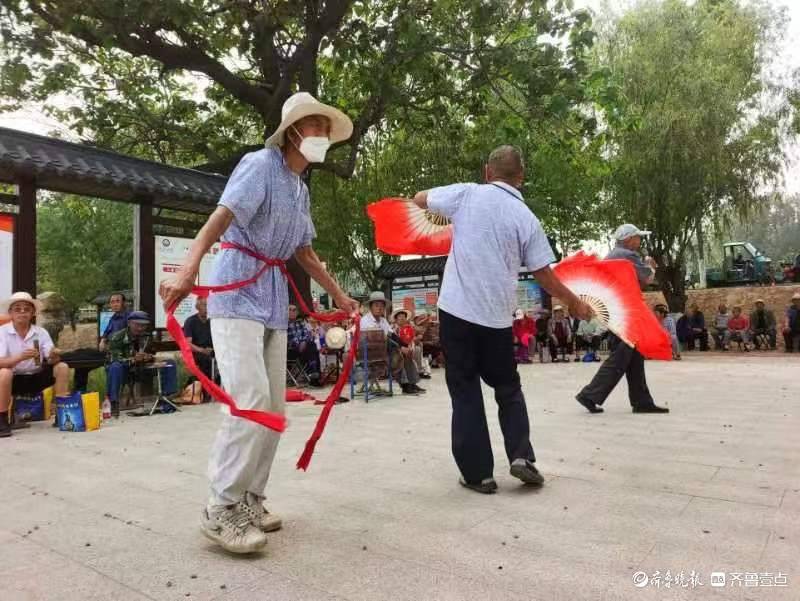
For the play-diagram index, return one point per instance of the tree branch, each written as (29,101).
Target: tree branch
(143,41)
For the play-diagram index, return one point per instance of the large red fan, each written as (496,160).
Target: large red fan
(402,228)
(612,289)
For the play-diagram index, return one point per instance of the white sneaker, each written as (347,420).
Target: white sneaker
(253,506)
(231,528)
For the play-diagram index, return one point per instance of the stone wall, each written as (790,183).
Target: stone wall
(777,298)
(83,336)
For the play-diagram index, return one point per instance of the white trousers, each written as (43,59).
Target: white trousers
(252,365)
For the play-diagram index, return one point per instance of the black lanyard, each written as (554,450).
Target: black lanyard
(509,192)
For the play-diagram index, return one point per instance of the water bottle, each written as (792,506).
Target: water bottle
(107,408)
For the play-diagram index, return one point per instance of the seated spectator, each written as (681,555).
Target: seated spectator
(719,329)
(738,329)
(559,334)
(589,336)
(428,328)
(662,313)
(791,326)
(129,350)
(524,331)
(118,321)
(542,329)
(417,347)
(197,329)
(88,359)
(697,331)
(763,330)
(29,362)
(317,331)
(375,319)
(301,346)
(407,334)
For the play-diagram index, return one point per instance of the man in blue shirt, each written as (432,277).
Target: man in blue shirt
(87,359)
(265,209)
(300,345)
(494,234)
(118,321)
(624,360)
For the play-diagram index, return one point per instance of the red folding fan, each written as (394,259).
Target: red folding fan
(402,228)
(611,288)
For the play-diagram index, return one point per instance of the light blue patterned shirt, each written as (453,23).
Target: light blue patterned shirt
(271,209)
(494,234)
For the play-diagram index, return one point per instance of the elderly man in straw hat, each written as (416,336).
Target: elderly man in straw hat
(265,208)
(29,362)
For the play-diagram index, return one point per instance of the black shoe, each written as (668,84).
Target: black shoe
(425,376)
(487,486)
(650,409)
(416,388)
(5,427)
(590,406)
(525,470)
(408,389)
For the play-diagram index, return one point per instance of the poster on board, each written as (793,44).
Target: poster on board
(529,297)
(415,299)
(6,254)
(171,253)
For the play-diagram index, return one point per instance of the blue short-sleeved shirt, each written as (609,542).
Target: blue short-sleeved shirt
(494,234)
(271,209)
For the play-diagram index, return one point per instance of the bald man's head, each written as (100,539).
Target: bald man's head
(505,164)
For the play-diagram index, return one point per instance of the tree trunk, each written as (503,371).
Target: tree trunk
(701,255)
(671,279)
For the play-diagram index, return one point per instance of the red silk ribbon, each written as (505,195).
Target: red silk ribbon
(274,421)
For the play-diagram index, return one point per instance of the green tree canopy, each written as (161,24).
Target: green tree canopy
(693,124)
(84,247)
(204,81)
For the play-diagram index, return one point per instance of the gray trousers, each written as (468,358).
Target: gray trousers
(623,361)
(252,365)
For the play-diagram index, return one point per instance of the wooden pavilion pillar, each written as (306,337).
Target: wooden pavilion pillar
(147,259)
(24,276)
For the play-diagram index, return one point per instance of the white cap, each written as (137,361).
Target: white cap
(628,230)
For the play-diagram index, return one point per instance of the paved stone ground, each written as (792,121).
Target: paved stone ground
(715,486)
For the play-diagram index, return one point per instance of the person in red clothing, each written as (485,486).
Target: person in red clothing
(524,331)
(738,330)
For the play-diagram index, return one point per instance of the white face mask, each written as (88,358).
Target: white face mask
(313,148)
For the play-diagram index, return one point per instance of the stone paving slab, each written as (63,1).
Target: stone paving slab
(714,486)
